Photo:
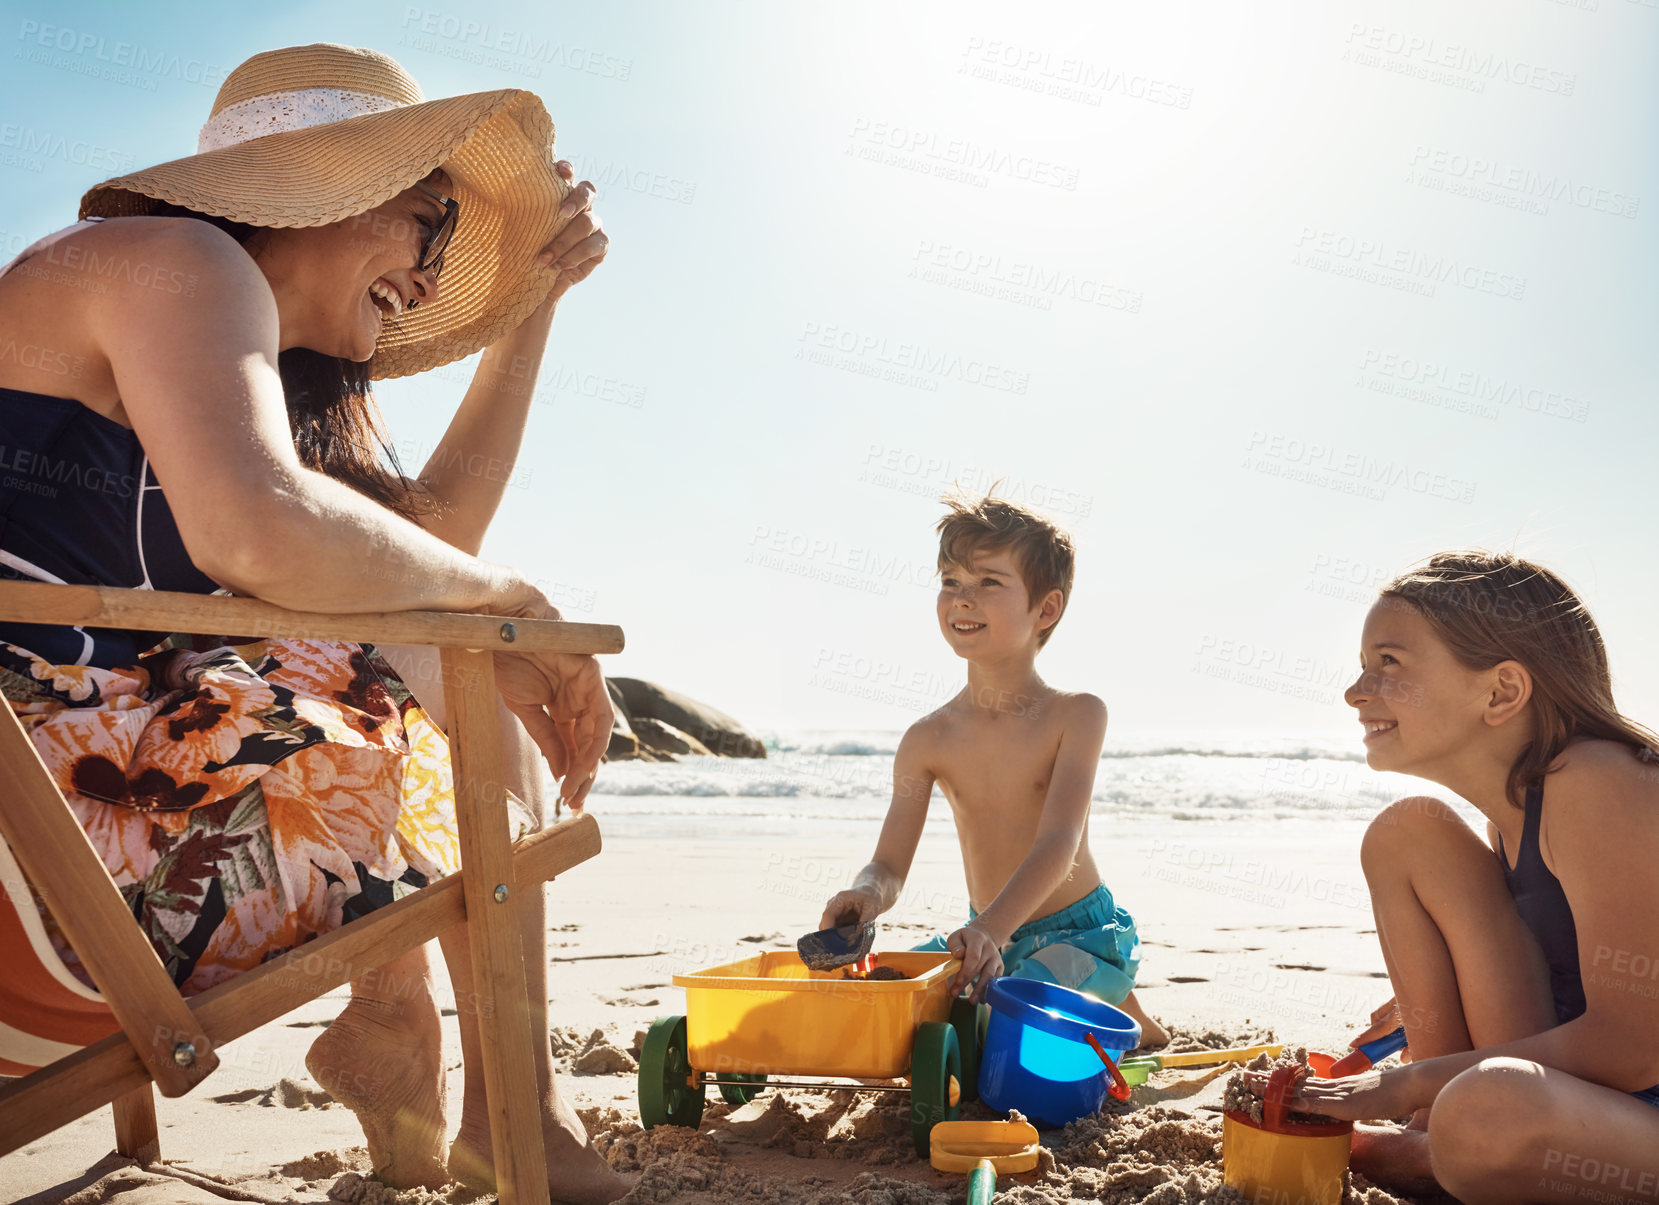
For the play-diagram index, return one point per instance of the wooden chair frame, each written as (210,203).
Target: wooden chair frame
(172,1041)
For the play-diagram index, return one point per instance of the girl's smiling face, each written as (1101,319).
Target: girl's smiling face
(1423,709)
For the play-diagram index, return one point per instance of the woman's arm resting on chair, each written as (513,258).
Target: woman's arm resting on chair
(198,379)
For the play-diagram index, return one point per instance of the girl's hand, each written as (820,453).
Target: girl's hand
(1371,1096)
(1385,1019)
(581,245)
(981,961)
(561,700)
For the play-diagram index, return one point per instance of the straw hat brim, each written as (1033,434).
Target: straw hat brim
(497,148)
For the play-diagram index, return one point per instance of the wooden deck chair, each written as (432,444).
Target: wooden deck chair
(158,1037)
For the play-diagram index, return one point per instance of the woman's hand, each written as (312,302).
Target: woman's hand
(561,700)
(580,246)
(1370,1096)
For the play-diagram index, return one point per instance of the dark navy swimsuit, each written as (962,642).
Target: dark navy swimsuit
(1543,907)
(79,504)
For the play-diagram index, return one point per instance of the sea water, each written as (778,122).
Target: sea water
(845,778)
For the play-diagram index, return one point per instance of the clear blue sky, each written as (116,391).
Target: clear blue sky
(1263,301)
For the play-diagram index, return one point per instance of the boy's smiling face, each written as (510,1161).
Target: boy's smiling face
(985,609)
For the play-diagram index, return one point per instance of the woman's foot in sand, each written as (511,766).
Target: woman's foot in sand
(386,1066)
(576,1173)
(1395,1157)
(1153,1035)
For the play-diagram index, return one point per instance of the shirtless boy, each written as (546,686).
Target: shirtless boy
(1016,760)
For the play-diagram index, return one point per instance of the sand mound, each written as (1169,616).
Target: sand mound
(595,1054)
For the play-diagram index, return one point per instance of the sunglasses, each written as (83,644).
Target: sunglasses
(432,251)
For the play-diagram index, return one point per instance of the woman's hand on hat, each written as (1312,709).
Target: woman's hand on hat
(581,243)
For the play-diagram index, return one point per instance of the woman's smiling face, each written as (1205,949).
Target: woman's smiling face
(337,286)
(1420,706)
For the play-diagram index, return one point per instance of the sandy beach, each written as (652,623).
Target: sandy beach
(1249,930)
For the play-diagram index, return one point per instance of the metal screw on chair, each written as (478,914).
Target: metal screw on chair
(184,1054)
(509,632)
(501,893)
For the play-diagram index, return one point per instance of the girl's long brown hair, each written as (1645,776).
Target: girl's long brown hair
(332,415)
(1493,607)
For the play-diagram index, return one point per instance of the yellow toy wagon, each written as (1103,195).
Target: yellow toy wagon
(750,1021)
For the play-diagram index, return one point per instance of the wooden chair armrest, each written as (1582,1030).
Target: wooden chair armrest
(165,611)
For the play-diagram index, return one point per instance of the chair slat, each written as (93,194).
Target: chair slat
(38,1103)
(165,611)
(493,934)
(53,850)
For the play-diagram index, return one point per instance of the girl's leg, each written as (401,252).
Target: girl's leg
(1466,972)
(575,1171)
(382,1058)
(1508,1130)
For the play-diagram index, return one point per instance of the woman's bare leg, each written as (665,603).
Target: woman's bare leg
(382,1058)
(1466,972)
(575,1171)
(1510,1131)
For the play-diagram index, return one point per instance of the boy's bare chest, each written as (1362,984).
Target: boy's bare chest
(1009,761)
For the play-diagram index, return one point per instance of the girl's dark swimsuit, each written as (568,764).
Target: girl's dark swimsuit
(1543,907)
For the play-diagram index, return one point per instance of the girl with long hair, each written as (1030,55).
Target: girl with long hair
(1525,964)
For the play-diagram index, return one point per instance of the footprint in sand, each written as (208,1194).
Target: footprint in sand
(287,1094)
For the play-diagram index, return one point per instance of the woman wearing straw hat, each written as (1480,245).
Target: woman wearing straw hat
(195,415)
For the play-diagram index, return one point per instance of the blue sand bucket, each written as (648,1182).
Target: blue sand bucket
(1037,1057)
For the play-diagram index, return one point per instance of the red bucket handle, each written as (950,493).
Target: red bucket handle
(1280,1084)
(1120,1087)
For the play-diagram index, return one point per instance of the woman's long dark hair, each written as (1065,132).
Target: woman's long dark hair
(332,414)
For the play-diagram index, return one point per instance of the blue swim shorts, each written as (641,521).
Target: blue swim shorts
(1090,946)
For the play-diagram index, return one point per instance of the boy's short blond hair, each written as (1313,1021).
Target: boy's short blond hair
(1042,551)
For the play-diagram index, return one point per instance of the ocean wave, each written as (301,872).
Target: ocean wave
(1149,774)
(1285,753)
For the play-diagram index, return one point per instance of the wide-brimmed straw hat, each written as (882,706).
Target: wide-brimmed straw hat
(309,135)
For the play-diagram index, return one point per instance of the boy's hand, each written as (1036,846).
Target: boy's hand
(852,907)
(981,961)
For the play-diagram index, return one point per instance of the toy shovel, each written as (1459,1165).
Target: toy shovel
(830,948)
(1361,1058)
(1137,1069)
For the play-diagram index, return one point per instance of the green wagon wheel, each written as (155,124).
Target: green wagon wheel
(968,1020)
(935,1062)
(665,1095)
(738,1095)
